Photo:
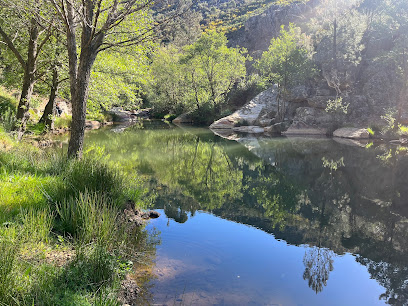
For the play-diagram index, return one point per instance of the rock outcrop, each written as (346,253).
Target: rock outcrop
(370,86)
(120,115)
(260,29)
(263,107)
(310,121)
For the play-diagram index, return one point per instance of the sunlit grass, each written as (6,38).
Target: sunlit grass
(61,242)
(63,121)
(22,191)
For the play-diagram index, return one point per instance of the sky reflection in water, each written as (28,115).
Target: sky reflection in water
(208,260)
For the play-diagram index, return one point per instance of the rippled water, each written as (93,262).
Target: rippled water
(270,221)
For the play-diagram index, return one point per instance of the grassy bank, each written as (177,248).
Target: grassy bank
(62,241)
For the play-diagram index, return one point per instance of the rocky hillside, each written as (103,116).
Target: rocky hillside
(369,71)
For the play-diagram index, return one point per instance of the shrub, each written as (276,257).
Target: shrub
(8,119)
(203,115)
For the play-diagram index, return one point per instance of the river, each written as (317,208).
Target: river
(269,221)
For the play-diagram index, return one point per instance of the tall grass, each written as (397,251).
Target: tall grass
(37,225)
(8,255)
(50,205)
(90,217)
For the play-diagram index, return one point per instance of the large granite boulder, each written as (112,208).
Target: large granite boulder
(183,118)
(92,124)
(298,93)
(120,115)
(352,133)
(310,121)
(263,107)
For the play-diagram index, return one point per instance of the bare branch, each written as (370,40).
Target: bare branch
(12,47)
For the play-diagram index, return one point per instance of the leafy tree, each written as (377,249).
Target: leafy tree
(54,80)
(102,25)
(25,31)
(213,68)
(168,89)
(117,79)
(197,78)
(338,30)
(286,63)
(398,11)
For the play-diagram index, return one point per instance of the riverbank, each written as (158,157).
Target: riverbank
(64,238)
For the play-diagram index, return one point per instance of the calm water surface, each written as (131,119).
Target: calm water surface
(269,221)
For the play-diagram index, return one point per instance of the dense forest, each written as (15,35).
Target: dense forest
(68,64)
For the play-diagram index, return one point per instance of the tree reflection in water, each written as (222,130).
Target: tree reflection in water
(319,264)
(314,192)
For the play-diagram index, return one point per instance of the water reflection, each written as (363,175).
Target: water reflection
(318,265)
(336,198)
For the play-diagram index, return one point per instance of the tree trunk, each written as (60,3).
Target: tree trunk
(402,99)
(335,44)
(29,79)
(79,100)
(49,111)
(80,75)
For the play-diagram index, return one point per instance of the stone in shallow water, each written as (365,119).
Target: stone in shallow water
(154,214)
(352,133)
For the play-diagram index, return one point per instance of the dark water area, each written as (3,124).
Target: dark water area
(269,221)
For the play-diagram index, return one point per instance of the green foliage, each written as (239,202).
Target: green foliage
(170,117)
(37,224)
(212,68)
(403,130)
(43,194)
(246,90)
(371,131)
(337,106)
(8,105)
(36,129)
(229,17)
(333,165)
(168,90)
(23,191)
(118,79)
(287,61)
(338,110)
(389,117)
(63,121)
(198,78)
(8,119)
(91,270)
